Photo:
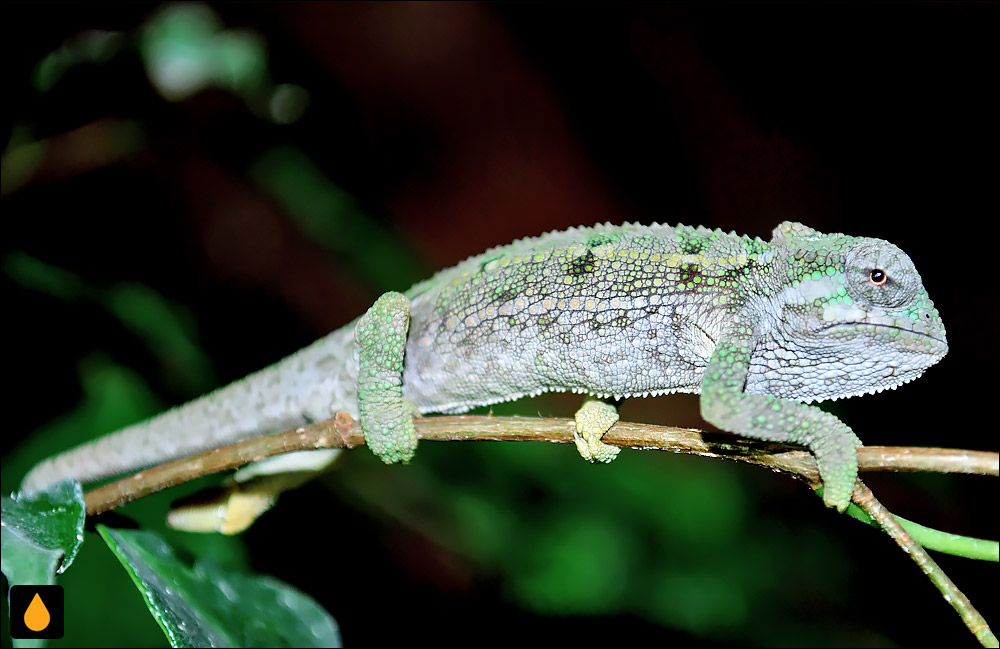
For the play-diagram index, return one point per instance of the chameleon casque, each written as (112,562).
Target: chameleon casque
(758,328)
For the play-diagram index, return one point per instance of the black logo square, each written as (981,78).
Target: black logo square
(36,612)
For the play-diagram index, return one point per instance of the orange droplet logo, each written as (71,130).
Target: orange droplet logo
(36,616)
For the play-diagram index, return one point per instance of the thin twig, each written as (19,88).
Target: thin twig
(342,431)
(864,498)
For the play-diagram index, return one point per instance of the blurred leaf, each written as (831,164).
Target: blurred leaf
(31,272)
(699,600)
(186,50)
(22,158)
(205,606)
(577,564)
(165,330)
(288,103)
(41,533)
(89,46)
(333,218)
(240,60)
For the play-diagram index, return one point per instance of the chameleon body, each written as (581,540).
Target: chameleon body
(759,328)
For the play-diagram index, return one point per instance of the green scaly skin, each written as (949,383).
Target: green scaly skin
(760,329)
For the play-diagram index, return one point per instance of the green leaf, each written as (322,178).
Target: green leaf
(41,533)
(205,606)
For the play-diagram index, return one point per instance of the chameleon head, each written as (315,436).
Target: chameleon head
(852,318)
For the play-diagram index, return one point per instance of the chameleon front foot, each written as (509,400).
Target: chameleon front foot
(594,419)
(385,418)
(837,460)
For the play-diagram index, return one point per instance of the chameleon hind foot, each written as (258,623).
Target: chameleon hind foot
(593,419)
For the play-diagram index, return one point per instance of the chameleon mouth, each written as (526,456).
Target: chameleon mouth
(912,353)
(875,325)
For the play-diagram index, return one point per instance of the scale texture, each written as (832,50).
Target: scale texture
(758,328)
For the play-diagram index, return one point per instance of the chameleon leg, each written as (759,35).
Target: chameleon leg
(770,418)
(386,420)
(593,419)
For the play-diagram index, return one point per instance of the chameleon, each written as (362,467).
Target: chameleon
(761,329)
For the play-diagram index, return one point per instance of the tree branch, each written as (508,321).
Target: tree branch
(342,431)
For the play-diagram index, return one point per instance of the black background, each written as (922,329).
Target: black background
(458,127)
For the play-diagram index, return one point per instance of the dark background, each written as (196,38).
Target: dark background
(157,246)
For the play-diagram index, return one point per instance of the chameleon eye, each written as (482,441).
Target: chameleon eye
(878,276)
